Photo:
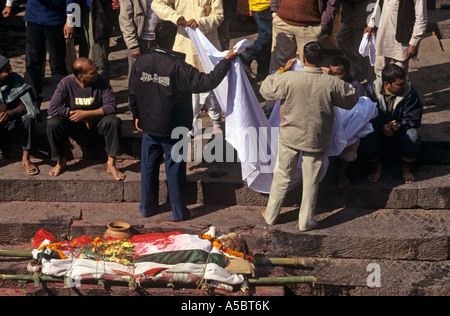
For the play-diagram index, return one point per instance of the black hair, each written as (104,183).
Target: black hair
(313,53)
(341,61)
(165,33)
(392,72)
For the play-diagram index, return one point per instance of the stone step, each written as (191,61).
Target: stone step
(365,277)
(221,183)
(421,235)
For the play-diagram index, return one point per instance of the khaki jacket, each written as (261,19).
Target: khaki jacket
(133,14)
(209,15)
(307,115)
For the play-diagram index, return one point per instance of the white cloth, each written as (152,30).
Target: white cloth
(367,47)
(255,138)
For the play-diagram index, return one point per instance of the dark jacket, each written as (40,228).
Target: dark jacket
(407,111)
(161,86)
(328,10)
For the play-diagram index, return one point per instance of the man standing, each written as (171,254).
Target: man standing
(96,27)
(137,22)
(207,15)
(399,116)
(402,26)
(17,113)
(83,101)
(307,117)
(260,50)
(354,21)
(163,75)
(46,28)
(295,23)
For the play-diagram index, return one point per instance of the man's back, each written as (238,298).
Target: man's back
(307,114)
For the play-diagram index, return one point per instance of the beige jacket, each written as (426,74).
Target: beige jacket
(307,115)
(132,18)
(209,15)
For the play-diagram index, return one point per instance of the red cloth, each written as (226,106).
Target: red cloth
(151,237)
(42,235)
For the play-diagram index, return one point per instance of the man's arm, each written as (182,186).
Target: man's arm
(7,10)
(328,15)
(345,95)
(214,19)
(420,27)
(165,11)
(127,26)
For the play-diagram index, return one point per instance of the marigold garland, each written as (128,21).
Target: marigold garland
(217,243)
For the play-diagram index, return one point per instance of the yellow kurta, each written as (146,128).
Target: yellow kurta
(209,15)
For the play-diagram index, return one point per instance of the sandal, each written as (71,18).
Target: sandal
(31,169)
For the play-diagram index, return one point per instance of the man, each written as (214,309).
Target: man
(402,26)
(307,117)
(207,15)
(296,23)
(137,22)
(170,81)
(17,113)
(83,101)
(96,28)
(354,21)
(399,116)
(260,50)
(46,29)
(340,68)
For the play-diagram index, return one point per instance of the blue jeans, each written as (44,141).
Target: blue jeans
(260,50)
(153,149)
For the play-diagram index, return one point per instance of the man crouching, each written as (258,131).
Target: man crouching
(83,101)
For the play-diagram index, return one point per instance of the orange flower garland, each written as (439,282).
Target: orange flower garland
(217,243)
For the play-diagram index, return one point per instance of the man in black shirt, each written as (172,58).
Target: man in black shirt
(161,86)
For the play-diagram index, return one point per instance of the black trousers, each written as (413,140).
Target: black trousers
(60,128)
(41,38)
(24,126)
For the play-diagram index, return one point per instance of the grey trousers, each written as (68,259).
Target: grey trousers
(284,172)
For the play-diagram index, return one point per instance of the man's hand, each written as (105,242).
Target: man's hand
(6,12)
(411,52)
(68,31)
(368,30)
(394,126)
(4,118)
(390,128)
(137,124)
(77,116)
(231,55)
(136,53)
(289,64)
(181,22)
(192,23)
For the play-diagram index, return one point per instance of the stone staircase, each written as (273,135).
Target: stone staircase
(373,239)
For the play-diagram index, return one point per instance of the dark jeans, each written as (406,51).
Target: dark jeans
(60,128)
(260,50)
(376,145)
(24,126)
(41,38)
(153,149)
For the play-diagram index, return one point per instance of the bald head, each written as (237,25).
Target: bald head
(85,70)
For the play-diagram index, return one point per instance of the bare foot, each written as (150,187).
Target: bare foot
(112,169)
(406,173)
(375,176)
(61,165)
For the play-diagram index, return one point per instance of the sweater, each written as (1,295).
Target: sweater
(69,96)
(47,12)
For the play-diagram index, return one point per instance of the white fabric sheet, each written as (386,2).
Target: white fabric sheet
(249,131)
